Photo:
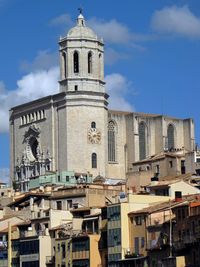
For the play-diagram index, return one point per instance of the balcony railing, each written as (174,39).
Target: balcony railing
(189,239)
(33,233)
(184,242)
(3,263)
(130,253)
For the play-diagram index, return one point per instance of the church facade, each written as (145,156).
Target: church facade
(75,131)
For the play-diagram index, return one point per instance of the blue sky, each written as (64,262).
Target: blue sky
(152,54)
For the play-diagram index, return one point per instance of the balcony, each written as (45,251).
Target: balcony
(3,263)
(189,239)
(178,245)
(184,242)
(50,260)
(130,253)
(40,215)
(31,233)
(80,255)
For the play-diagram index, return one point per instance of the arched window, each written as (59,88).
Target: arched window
(170,136)
(111,141)
(89,62)
(33,143)
(24,119)
(28,118)
(142,140)
(76,62)
(93,125)
(64,64)
(94,160)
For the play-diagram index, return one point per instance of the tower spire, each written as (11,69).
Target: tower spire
(80,19)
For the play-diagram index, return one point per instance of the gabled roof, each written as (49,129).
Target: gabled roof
(156,207)
(163,183)
(26,197)
(160,156)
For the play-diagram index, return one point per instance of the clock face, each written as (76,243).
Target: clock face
(94,136)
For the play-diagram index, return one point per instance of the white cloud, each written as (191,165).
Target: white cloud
(176,20)
(118,87)
(42,83)
(112,56)
(44,60)
(64,19)
(112,31)
(30,87)
(118,33)
(4,175)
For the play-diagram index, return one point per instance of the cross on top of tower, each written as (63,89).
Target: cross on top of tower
(80,9)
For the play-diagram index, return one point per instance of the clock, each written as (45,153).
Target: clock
(94,136)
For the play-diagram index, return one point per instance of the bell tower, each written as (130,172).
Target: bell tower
(85,111)
(81,59)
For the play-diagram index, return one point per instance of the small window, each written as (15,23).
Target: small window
(69,204)
(170,163)
(93,125)
(142,242)
(157,169)
(67,178)
(76,62)
(183,168)
(76,87)
(89,62)
(94,160)
(59,205)
(138,220)
(58,178)
(64,64)
(63,251)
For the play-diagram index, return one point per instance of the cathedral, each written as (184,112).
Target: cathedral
(74,130)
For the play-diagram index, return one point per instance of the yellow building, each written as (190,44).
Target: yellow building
(85,251)
(119,239)
(137,230)
(14,247)
(63,252)
(80,250)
